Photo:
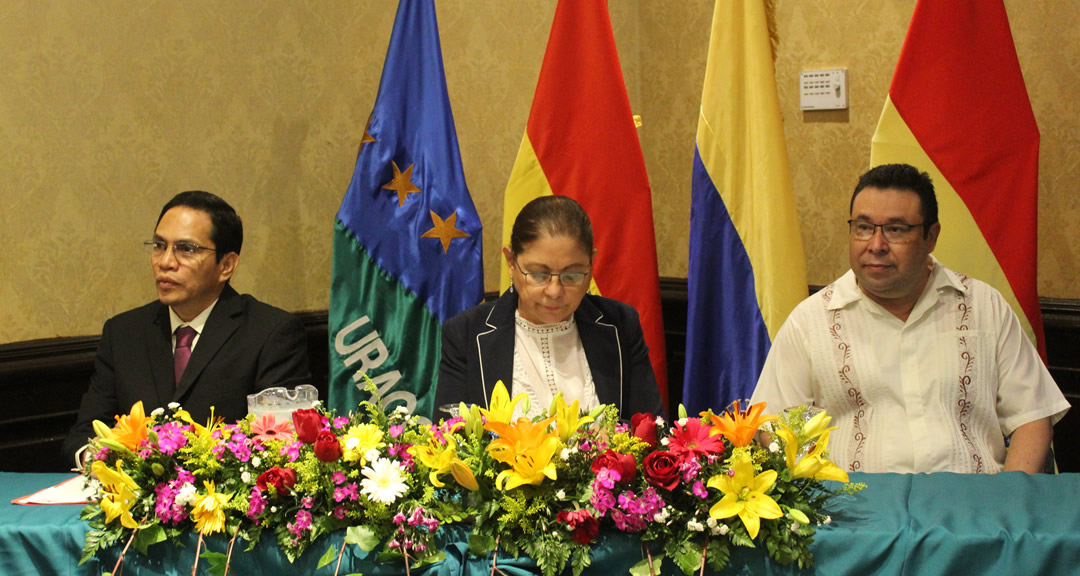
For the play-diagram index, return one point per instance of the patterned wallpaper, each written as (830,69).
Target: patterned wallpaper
(109,108)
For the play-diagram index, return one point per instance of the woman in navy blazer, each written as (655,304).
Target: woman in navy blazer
(510,339)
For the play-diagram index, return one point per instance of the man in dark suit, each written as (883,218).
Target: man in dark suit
(200,344)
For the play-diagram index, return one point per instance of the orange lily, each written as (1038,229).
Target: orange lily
(130,430)
(739,426)
(527,447)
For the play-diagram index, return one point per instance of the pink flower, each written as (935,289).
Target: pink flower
(267,428)
(693,440)
(699,490)
(256,503)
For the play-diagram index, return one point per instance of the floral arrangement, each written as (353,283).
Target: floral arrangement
(542,487)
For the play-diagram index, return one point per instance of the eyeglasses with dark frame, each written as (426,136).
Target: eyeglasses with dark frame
(894,232)
(538,279)
(183,249)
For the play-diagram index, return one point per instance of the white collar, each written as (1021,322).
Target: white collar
(198,323)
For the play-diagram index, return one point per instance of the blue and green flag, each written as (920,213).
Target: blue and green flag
(407,240)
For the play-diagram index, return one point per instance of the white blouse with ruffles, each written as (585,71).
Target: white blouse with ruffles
(548,359)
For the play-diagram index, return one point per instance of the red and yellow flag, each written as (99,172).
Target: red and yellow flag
(958,109)
(581,142)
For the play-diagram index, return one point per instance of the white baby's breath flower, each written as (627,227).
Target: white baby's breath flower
(186,495)
(723,531)
(561,494)
(828,519)
(795,526)
(694,526)
(683,421)
(256,461)
(157,411)
(273,509)
(711,522)
(174,405)
(565,454)
(662,516)
(402,410)
(665,441)
(245,477)
(659,420)
(774,447)
(316,404)
(371,455)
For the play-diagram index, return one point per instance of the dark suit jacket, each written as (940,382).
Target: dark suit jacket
(245,346)
(478,351)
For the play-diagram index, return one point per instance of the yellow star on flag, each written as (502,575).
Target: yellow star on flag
(402,183)
(366,138)
(444,230)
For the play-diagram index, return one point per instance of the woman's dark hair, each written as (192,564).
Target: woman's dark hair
(552,216)
(226,229)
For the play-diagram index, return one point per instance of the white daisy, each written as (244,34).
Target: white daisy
(384,481)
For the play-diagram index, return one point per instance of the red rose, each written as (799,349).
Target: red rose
(643,426)
(586,531)
(282,479)
(661,469)
(624,464)
(308,424)
(327,448)
(583,526)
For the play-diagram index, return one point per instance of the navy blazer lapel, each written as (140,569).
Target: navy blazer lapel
(600,339)
(159,349)
(495,345)
(223,321)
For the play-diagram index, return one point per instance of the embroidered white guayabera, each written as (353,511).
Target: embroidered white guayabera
(935,393)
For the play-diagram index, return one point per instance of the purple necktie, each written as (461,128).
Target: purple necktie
(184,336)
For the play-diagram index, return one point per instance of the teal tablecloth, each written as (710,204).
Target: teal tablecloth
(944,524)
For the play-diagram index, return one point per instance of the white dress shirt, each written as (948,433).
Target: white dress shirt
(938,392)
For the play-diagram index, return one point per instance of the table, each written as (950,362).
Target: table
(1010,523)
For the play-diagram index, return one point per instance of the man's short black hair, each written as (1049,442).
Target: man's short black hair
(902,177)
(226,229)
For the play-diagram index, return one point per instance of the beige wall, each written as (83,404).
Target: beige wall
(109,108)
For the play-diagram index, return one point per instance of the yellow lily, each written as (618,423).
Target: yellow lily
(813,465)
(209,510)
(120,493)
(817,425)
(744,494)
(528,448)
(568,419)
(739,426)
(464,475)
(502,407)
(438,460)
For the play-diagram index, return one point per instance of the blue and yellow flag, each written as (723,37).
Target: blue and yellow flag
(747,268)
(407,241)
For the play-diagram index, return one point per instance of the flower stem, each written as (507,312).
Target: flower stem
(704,550)
(228,555)
(120,560)
(648,554)
(340,554)
(198,548)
